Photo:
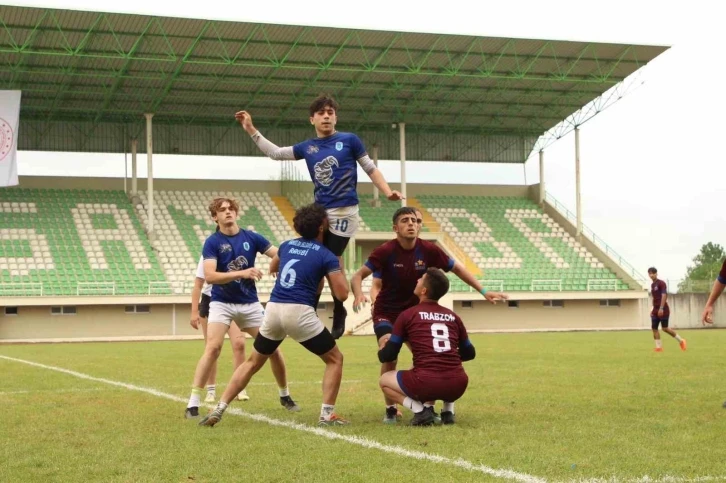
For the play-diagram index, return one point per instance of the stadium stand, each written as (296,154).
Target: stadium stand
(74,242)
(519,247)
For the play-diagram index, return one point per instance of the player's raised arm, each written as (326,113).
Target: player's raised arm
(367,164)
(356,285)
(716,291)
(467,277)
(270,150)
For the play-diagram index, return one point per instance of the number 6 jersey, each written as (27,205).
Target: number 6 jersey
(435,334)
(303,263)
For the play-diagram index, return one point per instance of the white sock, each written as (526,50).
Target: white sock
(428,405)
(414,406)
(448,407)
(222,406)
(195,398)
(658,343)
(326,411)
(284,391)
(212,388)
(678,338)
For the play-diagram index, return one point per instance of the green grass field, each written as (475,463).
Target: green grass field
(548,407)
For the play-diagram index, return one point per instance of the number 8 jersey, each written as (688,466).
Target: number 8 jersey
(303,263)
(435,334)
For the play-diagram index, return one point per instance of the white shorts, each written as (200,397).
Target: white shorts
(298,321)
(246,316)
(343,221)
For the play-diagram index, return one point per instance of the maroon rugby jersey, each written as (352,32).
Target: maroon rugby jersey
(657,289)
(400,270)
(435,334)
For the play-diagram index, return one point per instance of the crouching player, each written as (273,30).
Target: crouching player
(439,343)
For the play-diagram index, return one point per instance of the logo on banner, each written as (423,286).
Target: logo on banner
(6,138)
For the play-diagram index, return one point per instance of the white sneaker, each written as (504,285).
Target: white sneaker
(211,397)
(242,396)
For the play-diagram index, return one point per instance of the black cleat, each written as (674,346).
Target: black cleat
(437,418)
(724,404)
(339,315)
(191,413)
(424,418)
(289,404)
(447,417)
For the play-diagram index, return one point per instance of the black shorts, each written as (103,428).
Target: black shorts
(204,306)
(335,243)
(655,321)
(318,345)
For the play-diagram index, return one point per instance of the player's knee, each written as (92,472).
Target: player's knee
(238,344)
(213,350)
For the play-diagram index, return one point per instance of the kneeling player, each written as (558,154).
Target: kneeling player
(304,261)
(439,343)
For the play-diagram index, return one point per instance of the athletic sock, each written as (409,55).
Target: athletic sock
(448,407)
(658,344)
(284,391)
(679,338)
(326,411)
(222,406)
(196,397)
(212,388)
(414,406)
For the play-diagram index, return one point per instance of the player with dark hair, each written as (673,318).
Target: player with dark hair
(290,311)
(439,343)
(661,311)
(332,159)
(401,262)
(229,266)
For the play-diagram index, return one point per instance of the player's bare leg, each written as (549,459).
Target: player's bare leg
(237,339)
(212,379)
(237,383)
(277,364)
(658,343)
(212,349)
(332,376)
(674,334)
(339,311)
(392,412)
(393,392)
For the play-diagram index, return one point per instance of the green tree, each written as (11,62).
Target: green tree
(699,276)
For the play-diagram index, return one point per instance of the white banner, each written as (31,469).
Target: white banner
(9,116)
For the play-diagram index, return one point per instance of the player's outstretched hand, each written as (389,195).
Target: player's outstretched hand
(395,196)
(245,120)
(495,297)
(194,322)
(707,317)
(359,301)
(252,274)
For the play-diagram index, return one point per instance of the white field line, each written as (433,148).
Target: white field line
(325,433)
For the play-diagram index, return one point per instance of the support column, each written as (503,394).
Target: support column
(376,201)
(150,176)
(134,176)
(578,201)
(542,192)
(402,139)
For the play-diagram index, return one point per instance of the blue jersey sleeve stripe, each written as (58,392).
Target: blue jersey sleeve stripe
(210,258)
(722,279)
(450,265)
(396,339)
(384,323)
(466,343)
(370,266)
(377,274)
(335,270)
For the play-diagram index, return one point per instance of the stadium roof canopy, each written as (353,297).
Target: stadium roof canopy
(87,79)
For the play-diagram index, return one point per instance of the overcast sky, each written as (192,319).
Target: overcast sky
(652,165)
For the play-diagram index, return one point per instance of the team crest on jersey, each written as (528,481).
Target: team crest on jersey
(339,146)
(225,248)
(324,170)
(312,149)
(246,246)
(420,265)
(239,263)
